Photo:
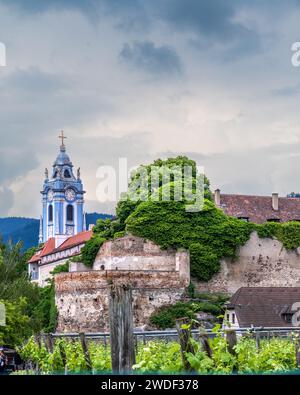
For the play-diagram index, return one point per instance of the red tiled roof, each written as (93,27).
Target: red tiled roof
(80,238)
(49,246)
(259,208)
(264,306)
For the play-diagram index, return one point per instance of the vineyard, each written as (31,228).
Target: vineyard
(274,355)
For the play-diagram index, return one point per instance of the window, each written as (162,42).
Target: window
(233,318)
(70,213)
(227,317)
(50,213)
(34,274)
(67,174)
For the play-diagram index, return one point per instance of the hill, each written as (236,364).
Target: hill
(27,229)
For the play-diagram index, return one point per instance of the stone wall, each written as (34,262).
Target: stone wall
(135,253)
(157,277)
(261,263)
(45,271)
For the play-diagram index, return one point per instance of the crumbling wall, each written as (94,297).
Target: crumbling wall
(260,263)
(157,277)
(82,298)
(135,253)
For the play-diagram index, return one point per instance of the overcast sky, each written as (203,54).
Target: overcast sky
(144,79)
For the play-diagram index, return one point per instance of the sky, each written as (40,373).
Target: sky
(140,79)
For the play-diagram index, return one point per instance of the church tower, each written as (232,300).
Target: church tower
(62,198)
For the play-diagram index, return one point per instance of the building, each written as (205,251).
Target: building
(62,198)
(262,306)
(259,209)
(157,277)
(62,225)
(53,254)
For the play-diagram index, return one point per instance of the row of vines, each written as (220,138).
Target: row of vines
(274,355)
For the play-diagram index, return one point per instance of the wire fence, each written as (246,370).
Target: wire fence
(172,335)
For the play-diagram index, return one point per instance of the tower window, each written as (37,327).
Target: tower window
(67,174)
(70,213)
(50,213)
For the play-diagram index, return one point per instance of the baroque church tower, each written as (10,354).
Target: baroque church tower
(62,198)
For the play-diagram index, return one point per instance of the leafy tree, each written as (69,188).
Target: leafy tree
(208,234)
(17,328)
(90,250)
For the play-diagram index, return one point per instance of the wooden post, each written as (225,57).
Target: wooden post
(37,339)
(297,350)
(203,338)
(231,343)
(121,329)
(48,340)
(63,356)
(183,326)
(257,340)
(86,353)
(231,340)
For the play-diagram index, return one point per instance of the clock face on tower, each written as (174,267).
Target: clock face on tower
(50,195)
(70,194)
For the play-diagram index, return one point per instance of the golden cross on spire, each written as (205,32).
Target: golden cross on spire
(62,137)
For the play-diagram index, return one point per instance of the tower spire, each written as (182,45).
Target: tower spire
(62,137)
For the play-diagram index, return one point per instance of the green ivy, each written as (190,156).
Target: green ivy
(288,233)
(166,316)
(209,235)
(90,250)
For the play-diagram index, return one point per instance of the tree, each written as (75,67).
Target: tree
(17,328)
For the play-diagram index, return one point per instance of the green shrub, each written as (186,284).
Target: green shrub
(166,316)
(90,250)
(209,234)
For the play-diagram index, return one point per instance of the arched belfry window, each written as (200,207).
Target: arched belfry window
(67,174)
(70,213)
(50,213)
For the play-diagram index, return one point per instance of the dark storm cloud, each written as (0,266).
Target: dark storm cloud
(152,59)
(33,6)
(212,22)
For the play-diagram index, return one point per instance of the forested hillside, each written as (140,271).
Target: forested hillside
(27,229)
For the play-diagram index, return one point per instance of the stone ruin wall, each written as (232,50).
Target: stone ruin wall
(160,277)
(260,263)
(157,278)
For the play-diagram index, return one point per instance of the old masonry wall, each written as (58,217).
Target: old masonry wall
(157,277)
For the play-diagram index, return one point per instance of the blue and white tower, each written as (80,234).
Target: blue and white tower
(62,198)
